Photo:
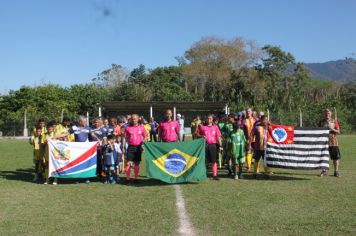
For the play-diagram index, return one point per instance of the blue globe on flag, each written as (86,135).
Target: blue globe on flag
(175,163)
(279,134)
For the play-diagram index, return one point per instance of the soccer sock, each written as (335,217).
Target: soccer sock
(128,172)
(240,169)
(214,168)
(107,173)
(255,167)
(136,170)
(235,169)
(46,172)
(248,160)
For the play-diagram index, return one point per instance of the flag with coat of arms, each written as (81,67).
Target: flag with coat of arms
(72,159)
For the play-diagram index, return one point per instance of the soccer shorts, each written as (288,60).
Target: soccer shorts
(211,152)
(134,154)
(259,154)
(334,153)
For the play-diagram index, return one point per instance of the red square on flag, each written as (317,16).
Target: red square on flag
(280,134)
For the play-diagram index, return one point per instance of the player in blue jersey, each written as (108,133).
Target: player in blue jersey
(82,133)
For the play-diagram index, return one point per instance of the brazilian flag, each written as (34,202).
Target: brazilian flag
(176,162)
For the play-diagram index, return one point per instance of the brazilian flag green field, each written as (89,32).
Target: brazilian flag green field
(176,162)
(290,203)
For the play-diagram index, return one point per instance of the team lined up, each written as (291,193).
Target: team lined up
(232,141)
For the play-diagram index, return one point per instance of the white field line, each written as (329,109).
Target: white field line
(185,227)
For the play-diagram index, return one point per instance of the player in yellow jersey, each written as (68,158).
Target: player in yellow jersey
(49,135)
(38,154)
(259,134)
(62,131)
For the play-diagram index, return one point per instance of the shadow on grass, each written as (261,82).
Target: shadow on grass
(223,174)
(25,175)
(147,182)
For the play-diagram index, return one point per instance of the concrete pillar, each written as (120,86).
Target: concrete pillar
(88,122)
(25,130)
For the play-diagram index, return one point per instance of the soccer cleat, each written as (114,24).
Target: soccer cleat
(323,173)
(46,182)
(236,177)
(55,182)
(105,182)
(336,174)
(87,181)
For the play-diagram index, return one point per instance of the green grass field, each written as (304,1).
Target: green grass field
(290,203)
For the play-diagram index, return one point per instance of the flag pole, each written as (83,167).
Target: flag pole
(265,144)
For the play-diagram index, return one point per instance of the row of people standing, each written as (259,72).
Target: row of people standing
(233,141)
(118,140)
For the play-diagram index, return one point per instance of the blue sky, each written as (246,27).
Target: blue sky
(70,41)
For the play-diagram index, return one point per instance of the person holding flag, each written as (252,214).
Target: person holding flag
(134,135)
(61,131)
(49,136)
(211,133)
(168,130)
(98,133)
(334,151)
(82,133)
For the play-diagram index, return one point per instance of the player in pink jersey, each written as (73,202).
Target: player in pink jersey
(134,135)
(168,130)
(211,133)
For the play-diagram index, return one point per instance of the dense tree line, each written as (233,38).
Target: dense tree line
(213,69)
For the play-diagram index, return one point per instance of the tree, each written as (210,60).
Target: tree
(211,61)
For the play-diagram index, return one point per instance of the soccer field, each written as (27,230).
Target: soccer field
(290,203)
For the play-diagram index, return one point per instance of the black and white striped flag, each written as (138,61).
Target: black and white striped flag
(297,148)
